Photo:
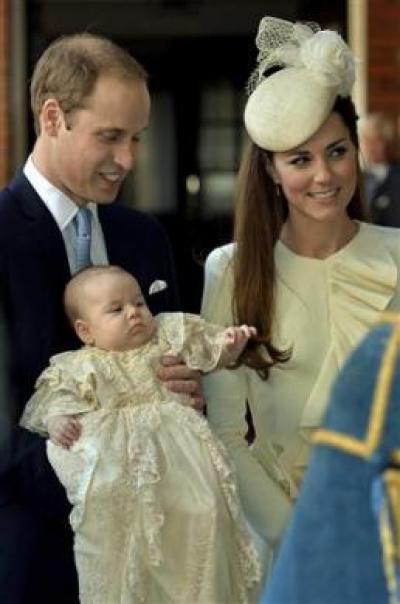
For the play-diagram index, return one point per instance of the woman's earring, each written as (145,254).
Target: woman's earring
(278,189)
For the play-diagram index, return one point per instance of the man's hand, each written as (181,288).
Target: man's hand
(64,430)
(178,378)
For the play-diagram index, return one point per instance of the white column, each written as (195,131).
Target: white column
(357,11)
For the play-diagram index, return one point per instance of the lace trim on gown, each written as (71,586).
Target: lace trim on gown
(146,475)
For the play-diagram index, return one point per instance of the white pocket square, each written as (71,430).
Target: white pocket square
(157,286)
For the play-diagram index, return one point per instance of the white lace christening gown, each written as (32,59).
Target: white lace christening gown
(155,509)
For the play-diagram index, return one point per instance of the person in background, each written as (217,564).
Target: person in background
(380,172)
(304,269)
(91,106)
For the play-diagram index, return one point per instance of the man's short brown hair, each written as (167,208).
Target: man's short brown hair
(70,67)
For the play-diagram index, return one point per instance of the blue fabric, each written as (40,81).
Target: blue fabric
(83,226)
(331,552)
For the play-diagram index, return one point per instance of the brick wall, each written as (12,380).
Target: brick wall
(4,105)
(384,56)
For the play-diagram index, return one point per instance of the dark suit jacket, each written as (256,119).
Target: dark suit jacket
(384,197)
(33,273)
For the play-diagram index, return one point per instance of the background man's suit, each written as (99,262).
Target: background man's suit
(33,273)
(384,197)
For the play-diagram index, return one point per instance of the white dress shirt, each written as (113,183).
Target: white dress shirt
(63,210)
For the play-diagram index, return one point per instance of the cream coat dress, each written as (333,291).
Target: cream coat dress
(323,309)
(155,512)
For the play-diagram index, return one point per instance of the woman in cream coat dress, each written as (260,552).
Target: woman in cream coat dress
(304,268)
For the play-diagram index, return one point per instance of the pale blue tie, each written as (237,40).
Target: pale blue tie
(83,225)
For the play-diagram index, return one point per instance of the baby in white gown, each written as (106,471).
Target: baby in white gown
(155,510)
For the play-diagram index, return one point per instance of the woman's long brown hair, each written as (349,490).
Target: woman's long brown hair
(259,215)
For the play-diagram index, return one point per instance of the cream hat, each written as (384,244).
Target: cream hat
(286,108)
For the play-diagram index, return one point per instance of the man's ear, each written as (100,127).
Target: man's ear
(83,332)
(51,117)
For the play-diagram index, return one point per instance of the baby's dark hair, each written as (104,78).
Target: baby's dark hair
(71,300)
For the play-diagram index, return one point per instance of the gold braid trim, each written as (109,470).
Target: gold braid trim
(395,456)
(389,531)
(392,481)
(387,545)
(365,448)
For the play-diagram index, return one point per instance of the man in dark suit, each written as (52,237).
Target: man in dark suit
(90,104)
(381,173)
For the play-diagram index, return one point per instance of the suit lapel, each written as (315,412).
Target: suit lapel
(109,233)
(40,229)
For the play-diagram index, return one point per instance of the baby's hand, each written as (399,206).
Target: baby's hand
(236,339)
(238,336)
(64,430)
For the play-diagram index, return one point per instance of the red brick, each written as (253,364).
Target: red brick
(4,88)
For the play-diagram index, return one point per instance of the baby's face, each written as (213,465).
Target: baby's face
(115,313)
